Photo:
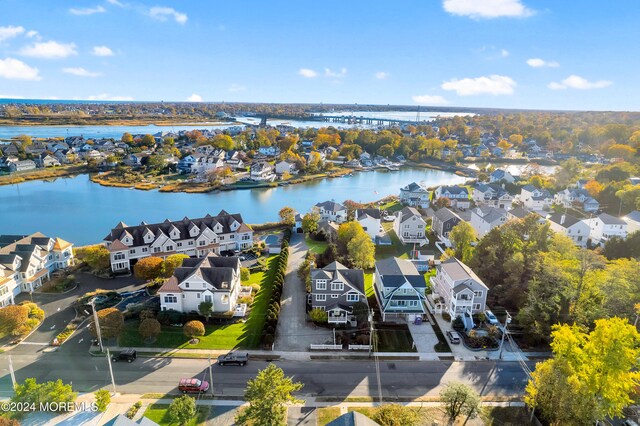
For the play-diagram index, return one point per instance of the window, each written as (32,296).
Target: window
(477,294)
(321,284)
(413,303)
(169,248)
(476,306)
(132,251)
(337,286)
(225,299)
(179,244)
(156,249)
(170,298)
(321,297)
(145,249)
(198,295)
(207,298)
(335,296)
(353,297)
(186,285)
(201,243)
(119,256)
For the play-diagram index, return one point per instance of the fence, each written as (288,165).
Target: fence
(359,347)
(325,347)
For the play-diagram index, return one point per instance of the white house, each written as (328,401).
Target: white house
(22,166)
(492,195)
(535,199)
(285,166)
(410,227)
(457,195)
(415,195)
(369,219)
(262,171)
(399,289)
(576,197)
(606,226)
(484,219)
(269,151)
(211,279)
(633,221)
(574,228)
(207,163)
(332,211)
(463,293)
(500,175)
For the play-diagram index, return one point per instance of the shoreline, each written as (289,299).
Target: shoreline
(118,122)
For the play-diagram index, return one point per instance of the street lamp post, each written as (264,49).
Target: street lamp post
(92,302)
(507,320)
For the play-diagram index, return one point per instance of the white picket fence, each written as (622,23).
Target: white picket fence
(325,347)
(359,347)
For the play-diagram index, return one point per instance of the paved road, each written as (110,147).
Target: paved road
(294,333)
(339,378)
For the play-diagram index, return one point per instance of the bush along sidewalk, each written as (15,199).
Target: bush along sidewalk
(273,312)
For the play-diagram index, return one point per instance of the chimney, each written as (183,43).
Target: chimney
(562,219)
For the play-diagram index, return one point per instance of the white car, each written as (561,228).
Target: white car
(491,319)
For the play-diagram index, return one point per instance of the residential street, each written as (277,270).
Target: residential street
(294,333)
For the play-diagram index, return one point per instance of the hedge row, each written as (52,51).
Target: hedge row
(273,311)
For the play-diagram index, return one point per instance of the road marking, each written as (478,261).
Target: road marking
(34,343)
(80,341)
(52,327)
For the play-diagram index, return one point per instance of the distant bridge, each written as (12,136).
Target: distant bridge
(352,119)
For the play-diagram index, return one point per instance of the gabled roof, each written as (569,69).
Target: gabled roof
(61,244)
(490,214)
(331,206)
(454,189)
(395,272)
(458,271)
(408,212)
(564,220)
(519,212)
(118,245)
(607,219)
(170,286)
(363,213)
(444,214)
(216,271)
(414,187)
(633,216)
(337,271)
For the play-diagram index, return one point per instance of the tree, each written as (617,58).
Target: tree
(591,376)
(442,202)
(103,399)
(127,138)
(148,140)
(205,309)
(318,315)
(223,142)
(25,141)
(386,150)
(148,268)
(593,187)
(310,221)
(287,216)
(460,399)
(362,251)
(97,257)
(111,323)
(171,263)
(462,236)
(245,274)
(149,328)
(5,421)
(13,319)
(182,409)
(360,310)
(621,151)
(32,392)
(268,395)
(193,329)
(396,415)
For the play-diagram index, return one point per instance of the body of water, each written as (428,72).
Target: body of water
(82,212)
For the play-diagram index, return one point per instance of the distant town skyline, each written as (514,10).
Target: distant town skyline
(521,54)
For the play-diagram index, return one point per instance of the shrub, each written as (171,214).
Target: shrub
(103,399)
(319,316)
(182,409)
(245,299)
(13,319)
(446,316)
(147,314)
(170,317)
(245,274)
(268,339)
(193,329)
(111,323)
(131,412)
(458,324)
(395,415)
(149,328)
(255,288)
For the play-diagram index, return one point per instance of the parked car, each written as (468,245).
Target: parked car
(187,385)
(491,319)
(233,358)
(124,355)
(453,336)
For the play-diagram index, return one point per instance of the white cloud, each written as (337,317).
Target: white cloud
(49,50)
(14,69)
(580,83)
(308,73)
(429,100)
(87,10)
(194,98)
(11,96)
(492,85)
(487,9)
(9,32)
(32,34)
(164,13)
(541,63)
(504,53)
(108,97)
(328,72)
(115,3)
(81,72)
(381,75)
(236,88)
(101,51)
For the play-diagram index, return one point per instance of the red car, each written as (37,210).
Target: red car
(193,386)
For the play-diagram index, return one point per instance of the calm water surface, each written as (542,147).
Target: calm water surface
(83,212)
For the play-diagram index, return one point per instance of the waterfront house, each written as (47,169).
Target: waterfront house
(27,262)
(187,162)
(297,224)
(633,221)
(410,227)
(211,279)
(535,199)
(269,151)
(22,166)
(236,164)
(262,171)
(500,175)
(332,211)
(206,164)
(570,226)
(283,167)
(458,290)
(492,195)
(485,218)
(335,289)
(10,149)
(329,229)
(46,160)
(193,237)
(415,195)
(443,222)
(605,227)
(369,219)
(399,289)
(457,195)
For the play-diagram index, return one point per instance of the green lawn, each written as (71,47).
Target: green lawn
(159,413)
(396,249)
(239,335)
(316,247)
(392,206)
(327,415)
(394,340)
(368,284)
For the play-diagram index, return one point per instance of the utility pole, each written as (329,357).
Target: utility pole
(13,374)
(113,382)
(95,319)
(334,337)
(210,376)
(370,331)
(507,320)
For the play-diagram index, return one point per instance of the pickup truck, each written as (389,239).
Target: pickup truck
(233,358)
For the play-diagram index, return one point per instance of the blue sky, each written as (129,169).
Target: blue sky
(552,54)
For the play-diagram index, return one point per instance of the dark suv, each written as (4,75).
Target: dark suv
(233,358)
(125,355)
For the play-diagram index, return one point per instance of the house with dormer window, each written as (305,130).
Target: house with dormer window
(335,289)
(410,227)
(211,279)
(533,198)
(399,289)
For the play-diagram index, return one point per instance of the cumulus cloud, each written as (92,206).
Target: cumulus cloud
(491,85)
(81,72)
(580,83)
(10,32)
(102,51)
(487,9)
(236,88)
(49,50)
(115,3)
(541,63)
(429,100)
(32,34)
(109,97)
(328,72)
(14,69)
(87,10)
(164,13)
(381,75)
(308,73)
(194,98)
